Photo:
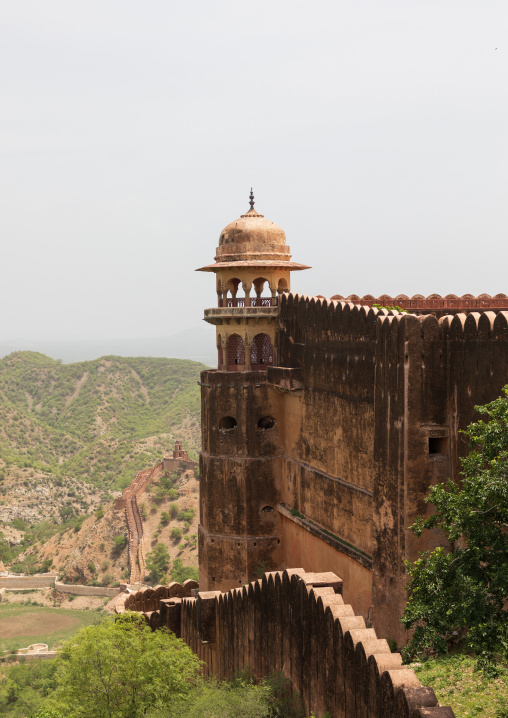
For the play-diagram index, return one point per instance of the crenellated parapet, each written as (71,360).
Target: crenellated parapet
(297,622)
(434,303)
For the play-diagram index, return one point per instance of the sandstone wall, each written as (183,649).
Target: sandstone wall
(239,532)
(372,404)
(77,590)
(298,623)
(20,582)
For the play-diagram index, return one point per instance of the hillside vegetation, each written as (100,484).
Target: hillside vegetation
(97,421)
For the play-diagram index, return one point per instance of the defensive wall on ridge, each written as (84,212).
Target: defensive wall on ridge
(297,623)
(370,407)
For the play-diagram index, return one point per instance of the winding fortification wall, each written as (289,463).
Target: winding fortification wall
(129,502)
(297,623)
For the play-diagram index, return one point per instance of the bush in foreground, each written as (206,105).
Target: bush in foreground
(120,669)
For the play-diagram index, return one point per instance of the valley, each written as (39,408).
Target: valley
(71,438)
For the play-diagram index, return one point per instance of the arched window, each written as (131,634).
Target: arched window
(227,422)
(258,300)
(232,288)
(236,353)
(261,353)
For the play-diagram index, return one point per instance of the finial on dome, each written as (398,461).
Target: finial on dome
(251,199)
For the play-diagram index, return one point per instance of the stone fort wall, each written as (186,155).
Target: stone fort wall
(371,404)
(297,623)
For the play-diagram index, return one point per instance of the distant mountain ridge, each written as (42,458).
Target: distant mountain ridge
(195,343)
(100,420)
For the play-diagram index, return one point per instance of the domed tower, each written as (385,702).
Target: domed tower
(252,267)
(241,448)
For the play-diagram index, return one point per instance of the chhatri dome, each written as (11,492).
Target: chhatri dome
(254,239)
(252,270)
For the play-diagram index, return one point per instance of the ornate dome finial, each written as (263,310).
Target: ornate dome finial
(251,199)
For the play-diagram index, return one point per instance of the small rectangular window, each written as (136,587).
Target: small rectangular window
(438,445)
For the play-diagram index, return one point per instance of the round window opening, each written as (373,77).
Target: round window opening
(266,422)
(227,422)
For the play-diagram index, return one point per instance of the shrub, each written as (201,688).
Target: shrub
(119,543)
(176,534)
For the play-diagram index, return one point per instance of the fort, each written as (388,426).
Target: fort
(323,427)
(327,420)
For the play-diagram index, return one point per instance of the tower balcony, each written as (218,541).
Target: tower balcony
(236,311)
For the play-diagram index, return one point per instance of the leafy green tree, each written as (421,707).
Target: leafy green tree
(181,573)
(465,589)
(121,669)
(158,562)
(24,688)
(48,713)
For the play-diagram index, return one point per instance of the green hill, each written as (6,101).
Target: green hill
(99,421)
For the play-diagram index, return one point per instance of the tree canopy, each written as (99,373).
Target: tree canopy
(464,589)
(158,562)
(120,668)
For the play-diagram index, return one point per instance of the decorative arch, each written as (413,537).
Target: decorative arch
(259,300)
(261,353)
(231,290)
(235,353)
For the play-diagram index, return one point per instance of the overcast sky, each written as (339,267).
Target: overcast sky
(375,133)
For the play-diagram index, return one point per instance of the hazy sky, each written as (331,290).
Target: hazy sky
(375,133)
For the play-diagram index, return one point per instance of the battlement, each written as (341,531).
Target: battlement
(296,622)
(434,303)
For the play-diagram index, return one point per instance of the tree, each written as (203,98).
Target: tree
(181,573)
(158,562)
(120,669)
(24,688)
(465,589)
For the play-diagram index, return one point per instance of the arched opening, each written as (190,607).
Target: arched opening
(227,422)
(231,298)
(236,353)
(267,509)
(261,353)
(266,422)
(220,353)
(259,300)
